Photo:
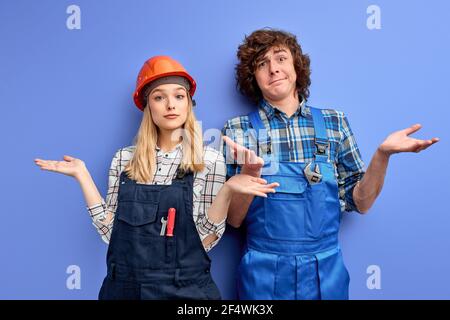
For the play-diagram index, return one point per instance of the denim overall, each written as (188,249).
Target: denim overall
(292,249)
(142,263)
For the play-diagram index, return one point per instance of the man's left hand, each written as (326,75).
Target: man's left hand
(400,141)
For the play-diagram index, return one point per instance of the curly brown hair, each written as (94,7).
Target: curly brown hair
(255,46)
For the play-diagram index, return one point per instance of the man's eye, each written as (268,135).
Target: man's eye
(157,98)
(282,58)
(261,64)
(180,96)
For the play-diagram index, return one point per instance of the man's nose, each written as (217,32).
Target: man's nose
(273,67)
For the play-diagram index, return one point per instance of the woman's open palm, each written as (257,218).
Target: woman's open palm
(246,184)
(70,166)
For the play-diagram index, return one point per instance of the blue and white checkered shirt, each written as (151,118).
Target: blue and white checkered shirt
(292,139)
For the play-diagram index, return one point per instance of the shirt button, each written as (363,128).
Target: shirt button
(159,169)
(166,155)
(206,270)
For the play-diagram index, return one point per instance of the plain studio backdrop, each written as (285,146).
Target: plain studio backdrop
(68,70)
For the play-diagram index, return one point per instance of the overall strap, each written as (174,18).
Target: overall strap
(256,121)
(259,132)
(322,145)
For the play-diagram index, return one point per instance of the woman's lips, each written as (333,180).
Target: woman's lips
(171,116)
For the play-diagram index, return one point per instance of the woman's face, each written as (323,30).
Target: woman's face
(169,104)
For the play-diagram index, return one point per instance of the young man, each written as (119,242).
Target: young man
(292,249)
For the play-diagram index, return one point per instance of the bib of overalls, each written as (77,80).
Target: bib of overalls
(143,261)
(292,247)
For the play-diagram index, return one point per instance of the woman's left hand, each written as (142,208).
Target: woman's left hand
(246,184)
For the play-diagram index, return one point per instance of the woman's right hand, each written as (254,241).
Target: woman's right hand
(70,166)
(247,184)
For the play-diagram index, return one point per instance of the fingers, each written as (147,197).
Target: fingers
(250,157)
(68,158)
(267,190)
(424,144)
(412,129)
(229,142)
(253,159)
(434,140)
(259,180)
(264,183)
(261,191)
(273,185)
(49,165)
(236,150)
(41,162)
(44,165)
(257,193)
(241,154)
(233,145)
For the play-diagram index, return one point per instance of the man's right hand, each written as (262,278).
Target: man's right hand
(250,162)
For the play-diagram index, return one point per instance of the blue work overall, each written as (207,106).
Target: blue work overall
(142,263)
(292,249)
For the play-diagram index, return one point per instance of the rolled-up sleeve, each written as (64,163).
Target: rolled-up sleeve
(349,165)
(213,182)
(102,214)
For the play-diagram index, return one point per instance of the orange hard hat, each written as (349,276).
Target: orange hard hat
(155,68)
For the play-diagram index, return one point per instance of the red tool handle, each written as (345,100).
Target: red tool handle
(170,222)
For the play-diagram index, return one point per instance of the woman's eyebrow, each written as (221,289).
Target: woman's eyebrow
(180,88)
(165,90)
(156,90)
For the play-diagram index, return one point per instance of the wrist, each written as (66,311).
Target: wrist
(226,188)
(83,174)
(383,153)
(253,173)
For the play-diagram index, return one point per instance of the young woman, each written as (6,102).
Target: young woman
(167,198)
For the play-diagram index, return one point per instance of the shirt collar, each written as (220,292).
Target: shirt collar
(271,111)
(172,152)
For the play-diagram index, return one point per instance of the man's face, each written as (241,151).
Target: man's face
(275,74)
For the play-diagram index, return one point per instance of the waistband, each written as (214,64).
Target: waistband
(124,272)
(292,247)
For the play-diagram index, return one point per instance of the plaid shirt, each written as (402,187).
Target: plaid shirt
(292,139)
(206,185)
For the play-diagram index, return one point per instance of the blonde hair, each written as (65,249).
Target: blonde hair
(142,166)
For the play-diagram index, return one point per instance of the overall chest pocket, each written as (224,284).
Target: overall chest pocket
(137,213)
(288,214)
(137,205)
